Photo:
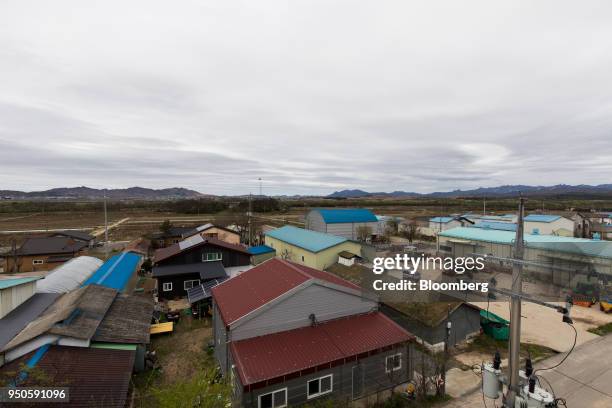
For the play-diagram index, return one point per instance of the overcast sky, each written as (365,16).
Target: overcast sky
(311,96)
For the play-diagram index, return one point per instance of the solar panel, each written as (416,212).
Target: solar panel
(203,291)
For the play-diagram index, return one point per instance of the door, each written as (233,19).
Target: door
(357,381)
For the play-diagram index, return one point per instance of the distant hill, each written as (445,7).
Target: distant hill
(137,193)
(501,191)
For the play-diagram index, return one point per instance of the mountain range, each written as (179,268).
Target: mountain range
(501,191)
(138,193)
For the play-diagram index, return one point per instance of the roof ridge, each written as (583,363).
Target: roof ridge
(296,268)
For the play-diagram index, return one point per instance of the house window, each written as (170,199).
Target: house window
(302,258)
(188,284)
(175,241)
(167,286)
(275,399)
(320,386)
(393,363)
(211,256)
(37,262)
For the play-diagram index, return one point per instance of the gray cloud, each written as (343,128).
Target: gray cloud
(312,96)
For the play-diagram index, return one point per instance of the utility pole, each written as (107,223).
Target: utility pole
(446,347)
(515,311)
(250,219)
(105,230)
(484,206)
(260,194)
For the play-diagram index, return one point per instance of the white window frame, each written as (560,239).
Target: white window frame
(192,285)
(166,286)
(392,357)
(320,393)
(219,256)
(285,390)
(38,261)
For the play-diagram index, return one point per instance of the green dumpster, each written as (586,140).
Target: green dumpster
(494,326)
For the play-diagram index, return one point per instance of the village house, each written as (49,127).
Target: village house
(311,248)
(193,262)
(287,334)
(171,236)
(80,236)
(42,254)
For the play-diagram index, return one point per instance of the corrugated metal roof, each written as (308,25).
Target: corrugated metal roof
(541,218)
(206,270)
(346,215)
(579,246)
(264,283)
(116,272)
(69,276)
(260,249)
(192,242)
(20,317)
(312,241)
(443,220)
(96,376)
(6,283)
(50,245)
(502,226)
(268,357)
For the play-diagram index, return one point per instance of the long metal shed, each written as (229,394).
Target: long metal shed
(69,276)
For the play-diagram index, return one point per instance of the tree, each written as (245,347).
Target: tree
(364,232)
(165,227)
(410,230)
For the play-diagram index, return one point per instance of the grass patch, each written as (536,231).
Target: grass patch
(602,330)
(487,345)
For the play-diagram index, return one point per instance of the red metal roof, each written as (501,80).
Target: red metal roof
(266,358)
(174,249)
(254,288)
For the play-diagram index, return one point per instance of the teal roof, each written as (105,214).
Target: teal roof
(260,249)
(7,283)
(541,218)
(312,241)
(581,246)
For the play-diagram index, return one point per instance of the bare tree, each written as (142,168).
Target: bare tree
(363,232)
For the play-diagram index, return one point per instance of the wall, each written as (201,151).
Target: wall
(325,303)
(549,228)
(351,230)
(25,263)
(319,260)
(223,235)
(220,338)
(437,226)
(257,259)
(177,281)
(353,380)
(12,297)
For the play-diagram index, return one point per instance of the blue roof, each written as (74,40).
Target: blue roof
(541,218)
(8,283)
(443,220)
(581,246)
(260,249)
(116,272)
(503,226)
(346,215)
(312,241)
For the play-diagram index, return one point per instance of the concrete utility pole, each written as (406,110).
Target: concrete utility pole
(484,206)
(105,230)
(515,311)
(250,219)
(446,347)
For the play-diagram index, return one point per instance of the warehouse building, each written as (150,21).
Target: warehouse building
(314,249)
(562,260)
(350,223)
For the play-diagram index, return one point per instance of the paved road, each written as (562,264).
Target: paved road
(584,379)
